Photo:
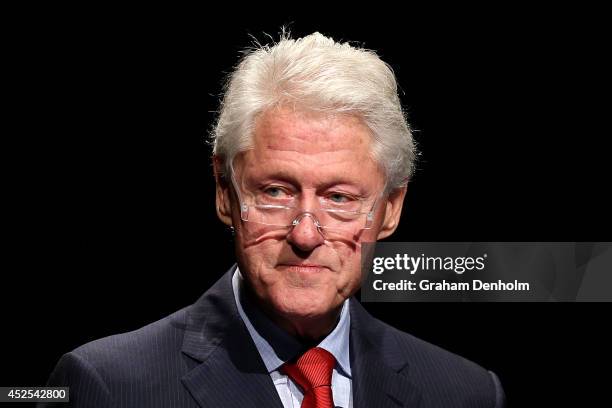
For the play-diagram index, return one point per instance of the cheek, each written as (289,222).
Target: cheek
(349,277)
(259,260)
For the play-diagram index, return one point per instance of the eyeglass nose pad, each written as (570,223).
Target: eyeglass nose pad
(300,217)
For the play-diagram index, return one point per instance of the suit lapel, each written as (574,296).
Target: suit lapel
(228,369)
(377,365)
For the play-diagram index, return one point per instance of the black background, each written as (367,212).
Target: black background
(109,219)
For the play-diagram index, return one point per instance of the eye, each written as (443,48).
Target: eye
(340,198)
(275,192)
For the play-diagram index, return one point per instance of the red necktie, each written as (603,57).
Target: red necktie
(313,373)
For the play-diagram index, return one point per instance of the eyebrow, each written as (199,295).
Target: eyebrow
(289,178)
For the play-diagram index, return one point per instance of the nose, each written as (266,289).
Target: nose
(305,234)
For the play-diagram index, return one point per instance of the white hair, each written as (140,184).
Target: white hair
(316,73)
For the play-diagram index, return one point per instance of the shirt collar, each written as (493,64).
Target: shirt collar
(275,345)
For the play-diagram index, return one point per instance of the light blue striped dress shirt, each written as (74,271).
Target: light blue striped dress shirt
(337,343)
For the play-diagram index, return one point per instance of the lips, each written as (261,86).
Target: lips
(304,267)
(302,263)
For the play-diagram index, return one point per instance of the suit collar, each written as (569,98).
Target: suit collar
(209,319)
(379,367)
(227,369)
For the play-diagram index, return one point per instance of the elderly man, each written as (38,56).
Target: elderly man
(312,155)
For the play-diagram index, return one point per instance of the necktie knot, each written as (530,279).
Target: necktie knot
(313,373)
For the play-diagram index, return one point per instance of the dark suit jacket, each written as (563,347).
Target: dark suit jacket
(203,356)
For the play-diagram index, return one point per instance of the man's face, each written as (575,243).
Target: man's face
(301,272)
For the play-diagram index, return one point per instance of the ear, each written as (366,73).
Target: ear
(223,200)
(393,211)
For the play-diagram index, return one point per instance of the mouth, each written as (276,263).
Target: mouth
(303,267)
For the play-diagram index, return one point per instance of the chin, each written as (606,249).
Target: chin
(305,303)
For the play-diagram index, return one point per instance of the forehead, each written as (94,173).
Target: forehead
(315,145)
(310,133)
